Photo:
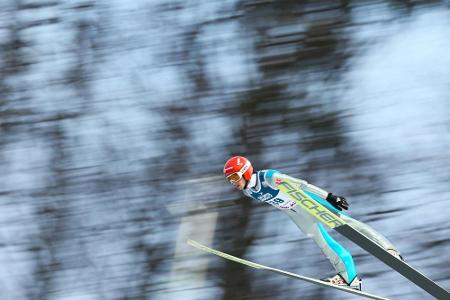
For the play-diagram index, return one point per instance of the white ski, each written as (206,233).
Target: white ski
(281,272)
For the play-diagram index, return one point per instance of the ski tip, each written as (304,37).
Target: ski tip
(195,244)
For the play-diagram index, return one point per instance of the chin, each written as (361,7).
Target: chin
(238,187)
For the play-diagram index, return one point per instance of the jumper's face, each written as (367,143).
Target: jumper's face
(239,184)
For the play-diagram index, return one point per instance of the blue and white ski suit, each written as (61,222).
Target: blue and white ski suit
(262,187)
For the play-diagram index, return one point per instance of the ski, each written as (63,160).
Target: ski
(334,221)
(281,272)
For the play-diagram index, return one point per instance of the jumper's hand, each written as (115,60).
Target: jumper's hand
(337,201)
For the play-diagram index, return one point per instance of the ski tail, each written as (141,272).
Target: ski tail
(398,265)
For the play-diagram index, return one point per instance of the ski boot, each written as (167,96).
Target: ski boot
(340,281)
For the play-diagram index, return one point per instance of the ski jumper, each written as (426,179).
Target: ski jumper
(262,187)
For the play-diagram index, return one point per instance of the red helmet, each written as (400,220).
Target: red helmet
(237,167)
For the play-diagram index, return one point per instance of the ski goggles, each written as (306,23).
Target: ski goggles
(236,176)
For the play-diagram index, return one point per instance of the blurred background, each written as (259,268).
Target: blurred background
(116,118)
